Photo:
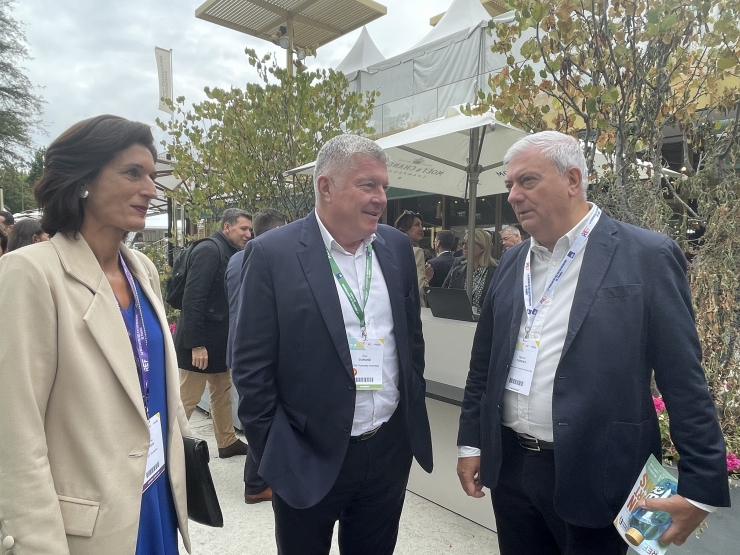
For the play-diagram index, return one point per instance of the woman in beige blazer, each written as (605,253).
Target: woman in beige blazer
(81,374)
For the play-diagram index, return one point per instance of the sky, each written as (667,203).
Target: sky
(92,57)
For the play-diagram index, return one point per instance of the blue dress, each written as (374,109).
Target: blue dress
(158,519)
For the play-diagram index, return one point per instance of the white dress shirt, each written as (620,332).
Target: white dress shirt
(372,408)
(532,414)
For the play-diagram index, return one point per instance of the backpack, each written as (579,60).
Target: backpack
(175,286)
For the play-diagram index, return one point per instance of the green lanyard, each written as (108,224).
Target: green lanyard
(359,310)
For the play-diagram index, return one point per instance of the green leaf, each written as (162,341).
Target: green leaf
(610,96)
(726,63)
(528,48)
(668,22)
(537,10)
(591,106)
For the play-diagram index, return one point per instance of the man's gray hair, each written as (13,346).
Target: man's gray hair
(561,150)
(231,215)
(510,229)
(335,156)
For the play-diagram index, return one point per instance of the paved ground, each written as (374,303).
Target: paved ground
(426,528)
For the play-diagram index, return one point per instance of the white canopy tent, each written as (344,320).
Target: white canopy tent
(462,14)
(455,155)
(447,67)
(364,53)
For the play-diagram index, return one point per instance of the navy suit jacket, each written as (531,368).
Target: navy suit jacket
(631,315)
(292,365)
(441,265)
(232,284)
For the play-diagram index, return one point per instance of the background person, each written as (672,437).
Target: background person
(256,489)
(411,224)
(202,331)
(484,266)
(510,237)
(438,267)
(330,449)
(3,240)
(80,401)
(558,419)
(6,220)
(26,232)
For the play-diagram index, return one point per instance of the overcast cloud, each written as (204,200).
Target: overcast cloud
(97,56)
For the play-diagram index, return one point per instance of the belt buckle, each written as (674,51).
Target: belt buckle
(528,443)
(368,435)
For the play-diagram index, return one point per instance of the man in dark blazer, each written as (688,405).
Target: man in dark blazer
(328,359)
(558,417)
(439,266)
(255,488)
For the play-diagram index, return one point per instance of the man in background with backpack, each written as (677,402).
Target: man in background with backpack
(203,327)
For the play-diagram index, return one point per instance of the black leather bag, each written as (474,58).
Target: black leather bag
(203,506)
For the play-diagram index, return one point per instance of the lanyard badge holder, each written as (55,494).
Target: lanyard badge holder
(522,365)
(155,462)
(366,353)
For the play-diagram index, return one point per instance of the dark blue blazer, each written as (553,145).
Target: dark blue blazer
(441,265)
(232,284)
(631,315)
(291,362)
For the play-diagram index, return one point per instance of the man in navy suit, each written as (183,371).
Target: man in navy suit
(255,488)
(438,267)
(328,359)
(558,417)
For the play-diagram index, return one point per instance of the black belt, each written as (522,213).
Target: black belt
(533,444)
(365,436)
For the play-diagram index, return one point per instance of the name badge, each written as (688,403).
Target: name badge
(155,458)
(367,362)
(522,366)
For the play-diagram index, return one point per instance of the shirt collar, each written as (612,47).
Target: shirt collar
(331,244)
(569,237)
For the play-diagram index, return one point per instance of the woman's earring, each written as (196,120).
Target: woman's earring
(84,193)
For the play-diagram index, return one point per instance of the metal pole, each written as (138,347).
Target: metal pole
(170,222)
(499,222)
(290,48)
(474,174)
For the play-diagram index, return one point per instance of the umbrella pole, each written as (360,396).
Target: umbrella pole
(473,175)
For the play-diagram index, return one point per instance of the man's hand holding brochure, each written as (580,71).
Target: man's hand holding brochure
(654,516)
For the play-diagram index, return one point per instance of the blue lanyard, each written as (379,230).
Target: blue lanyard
(550,289)
(137,336)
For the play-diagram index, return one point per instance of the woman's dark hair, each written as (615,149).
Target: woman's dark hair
(75,158)
(3,240)
(23,233)
(406,220)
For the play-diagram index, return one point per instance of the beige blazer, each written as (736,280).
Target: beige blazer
(73,431)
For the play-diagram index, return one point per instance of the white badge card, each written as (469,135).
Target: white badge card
(367,362)
(155,459)
(522,366)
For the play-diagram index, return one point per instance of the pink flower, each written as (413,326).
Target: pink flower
(659,404)
(173,326)
(733,463)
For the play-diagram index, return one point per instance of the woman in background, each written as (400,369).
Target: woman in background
(410,223)
(3,240)
(484,265)
(81,401)
(26,232)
